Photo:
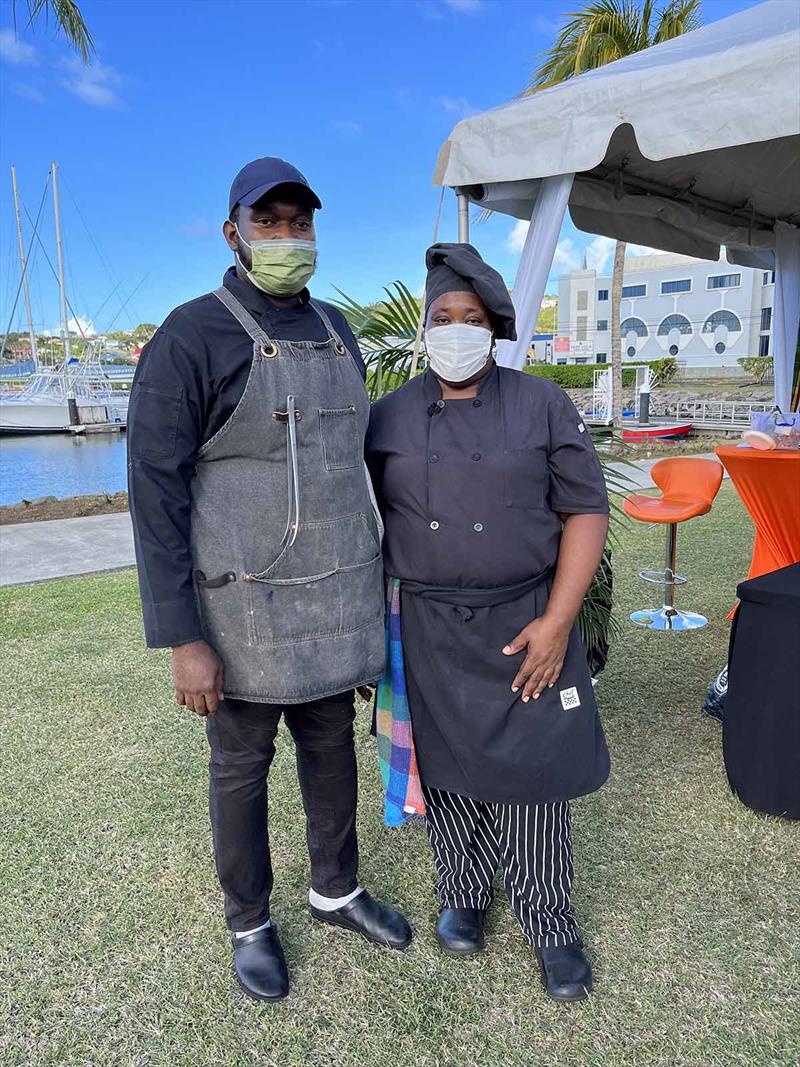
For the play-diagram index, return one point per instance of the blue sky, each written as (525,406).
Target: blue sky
(359,94)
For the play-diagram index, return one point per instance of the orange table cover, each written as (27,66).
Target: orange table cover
(769,485)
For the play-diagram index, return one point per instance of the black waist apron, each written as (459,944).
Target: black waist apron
(472,735)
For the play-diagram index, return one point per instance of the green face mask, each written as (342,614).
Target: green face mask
(281,267)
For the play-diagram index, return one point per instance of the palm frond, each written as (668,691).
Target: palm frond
(677,18)
(68,19)
(603,31)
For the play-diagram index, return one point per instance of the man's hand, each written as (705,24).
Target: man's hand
(546,645)
(197,677)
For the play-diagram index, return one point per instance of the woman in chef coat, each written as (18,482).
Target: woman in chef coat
(496,516)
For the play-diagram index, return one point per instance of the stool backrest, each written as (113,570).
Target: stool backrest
(685,478)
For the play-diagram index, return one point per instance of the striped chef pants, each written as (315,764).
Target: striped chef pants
(533,844)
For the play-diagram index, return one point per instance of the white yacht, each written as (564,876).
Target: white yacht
(45,405)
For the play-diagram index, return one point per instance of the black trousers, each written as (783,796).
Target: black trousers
(531,842)
(242,740)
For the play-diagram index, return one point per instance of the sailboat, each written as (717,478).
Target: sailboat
(77,393)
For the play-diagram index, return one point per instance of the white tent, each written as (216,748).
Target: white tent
(687,146)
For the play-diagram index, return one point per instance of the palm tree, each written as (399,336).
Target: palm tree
(599,33)
(68,20)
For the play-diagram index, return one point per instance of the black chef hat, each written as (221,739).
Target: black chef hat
(459,268)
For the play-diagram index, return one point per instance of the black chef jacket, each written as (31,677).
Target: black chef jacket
(471,490)
(188,382)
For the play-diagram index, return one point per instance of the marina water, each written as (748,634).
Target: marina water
(61,465)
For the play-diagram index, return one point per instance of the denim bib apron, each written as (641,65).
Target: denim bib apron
(286,536)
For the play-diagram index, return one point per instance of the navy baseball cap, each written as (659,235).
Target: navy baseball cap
(261,176)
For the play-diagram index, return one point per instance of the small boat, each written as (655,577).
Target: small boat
(643,431)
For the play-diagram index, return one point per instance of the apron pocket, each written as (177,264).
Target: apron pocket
(342,446)
(329,582)
(526,478)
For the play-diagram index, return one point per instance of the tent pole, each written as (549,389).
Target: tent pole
(463,217)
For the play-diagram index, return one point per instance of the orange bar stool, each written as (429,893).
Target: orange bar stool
(688,487)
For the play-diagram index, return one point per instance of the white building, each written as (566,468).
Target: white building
(704,314)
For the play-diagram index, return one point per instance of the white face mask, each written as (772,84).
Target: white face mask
(457,351)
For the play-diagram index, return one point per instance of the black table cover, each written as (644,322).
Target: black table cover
(761,727)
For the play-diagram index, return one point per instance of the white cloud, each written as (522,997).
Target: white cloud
(541,24)
(600,253)
(516,236)
(27,92)
(464,7)
(347,128)
(12,50)
(566,257)
(456,105)
(95,84)
(81,326)
(197,229)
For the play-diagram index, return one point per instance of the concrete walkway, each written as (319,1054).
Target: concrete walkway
(62,548)
(65,548)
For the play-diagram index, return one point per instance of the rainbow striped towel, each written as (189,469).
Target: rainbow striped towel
(396,755)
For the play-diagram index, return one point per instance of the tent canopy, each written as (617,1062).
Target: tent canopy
(686,146)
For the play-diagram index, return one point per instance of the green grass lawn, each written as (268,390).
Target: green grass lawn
(112,944)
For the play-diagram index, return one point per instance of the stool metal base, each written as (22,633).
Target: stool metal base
(663,577)
(667,618)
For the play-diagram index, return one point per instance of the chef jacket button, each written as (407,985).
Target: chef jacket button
(434,458)
(477,403)
(478,527)
(440,403)
(476,456)
(434,525)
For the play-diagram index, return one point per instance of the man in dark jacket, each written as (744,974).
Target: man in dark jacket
(258,548)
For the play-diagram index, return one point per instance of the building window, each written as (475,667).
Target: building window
(583,299)
(602,325)
(634,290)
(633,325)
(602,294)
(723,281)
(673,350)
(601,357)
(561,362)
(631,351)
(674,322)
(580,359)
(763,345)
(580,332)
(681,285)
(766,319)
(769,277)
(722,318)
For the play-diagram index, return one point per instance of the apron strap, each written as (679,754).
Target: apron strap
(242,315)
(329,327)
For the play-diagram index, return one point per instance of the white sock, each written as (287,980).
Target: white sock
(331,903)
(244,933)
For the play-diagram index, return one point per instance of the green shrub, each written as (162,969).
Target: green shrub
(758,367)
(664,370)
(576,375)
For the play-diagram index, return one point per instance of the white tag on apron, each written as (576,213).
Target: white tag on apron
(570,698)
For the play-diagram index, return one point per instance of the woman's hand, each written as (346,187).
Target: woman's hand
(546,644)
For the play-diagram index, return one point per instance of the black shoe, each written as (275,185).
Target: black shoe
(260,966)
(565,971)
(371,919)
(459,931)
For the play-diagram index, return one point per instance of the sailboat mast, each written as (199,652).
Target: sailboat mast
(23,266)
(60,251)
